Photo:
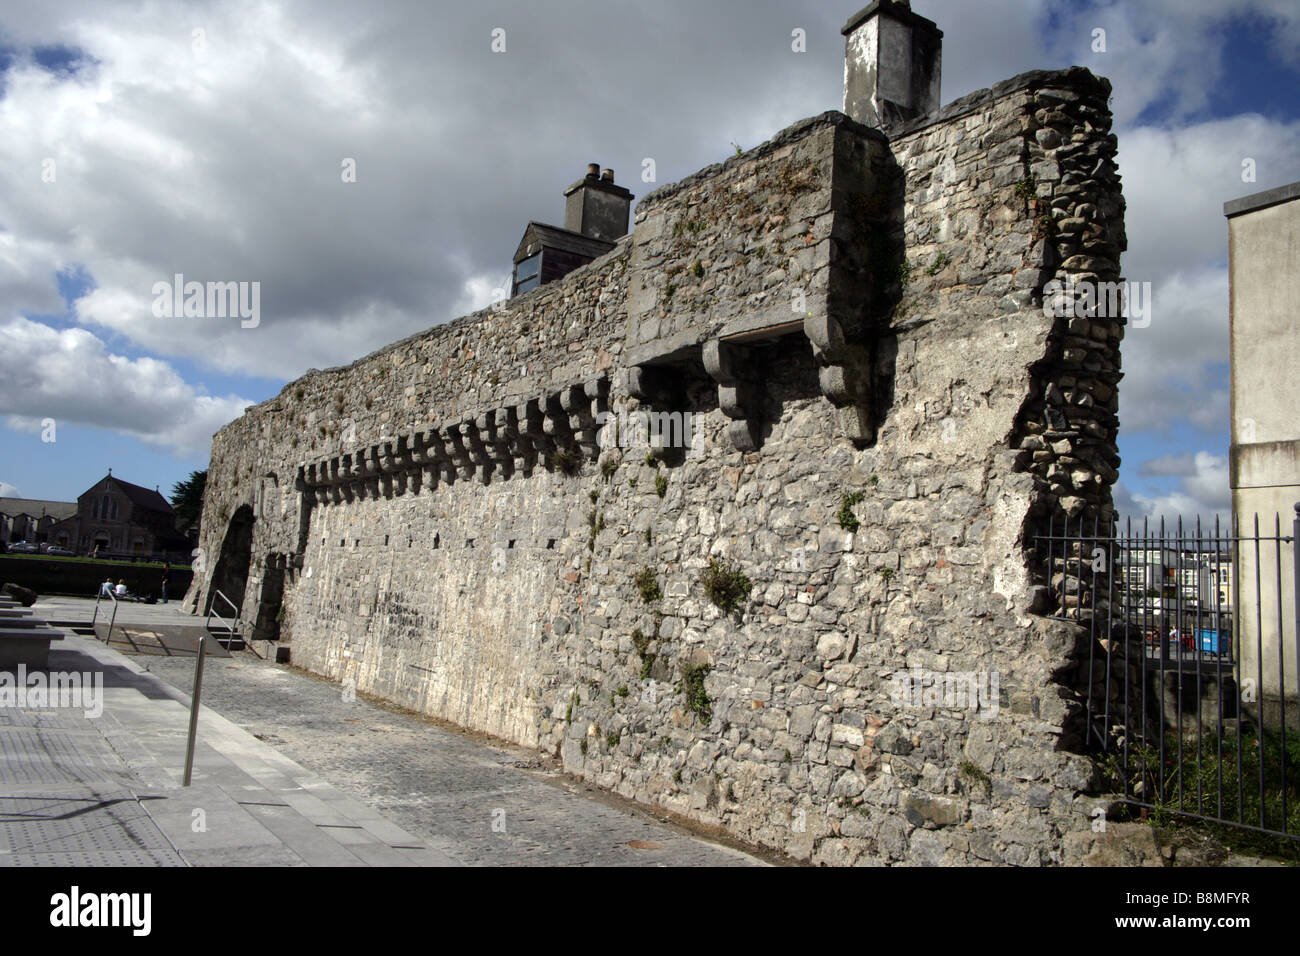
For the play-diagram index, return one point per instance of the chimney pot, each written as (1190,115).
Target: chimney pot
(593,170)
(892,64)
(607,176)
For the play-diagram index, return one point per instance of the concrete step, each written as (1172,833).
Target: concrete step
(270,651)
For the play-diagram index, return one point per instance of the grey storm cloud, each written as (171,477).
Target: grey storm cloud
(208,139)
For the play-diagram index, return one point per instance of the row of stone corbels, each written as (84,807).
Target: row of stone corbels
(844,375)
(502,441)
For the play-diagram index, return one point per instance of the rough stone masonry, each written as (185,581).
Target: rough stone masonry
(882,415)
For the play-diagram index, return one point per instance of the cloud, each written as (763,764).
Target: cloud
(70,377)
(1169,54)
(1175,183)
(9,491)
(1202,490)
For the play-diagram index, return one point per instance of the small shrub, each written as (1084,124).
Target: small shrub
(697,269)
(661,485)
(648,584)
(847,519)
(298,394)
(568,714)
(1027,188)
(726,585)
(607,468)
(691,687)
(938,265)
(611,740)
(904,274)
(563,460)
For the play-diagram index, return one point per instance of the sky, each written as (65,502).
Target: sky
(147,139)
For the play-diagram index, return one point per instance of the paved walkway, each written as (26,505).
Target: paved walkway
(79,787)
(446,787)
(292,774)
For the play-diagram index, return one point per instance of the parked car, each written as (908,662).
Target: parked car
(61,552)
(24,547)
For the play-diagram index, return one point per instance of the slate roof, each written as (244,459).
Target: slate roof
(37,507)
(553,237)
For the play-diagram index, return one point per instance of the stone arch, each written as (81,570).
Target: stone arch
(230,574)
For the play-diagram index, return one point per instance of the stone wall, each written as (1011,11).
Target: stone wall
(881,416)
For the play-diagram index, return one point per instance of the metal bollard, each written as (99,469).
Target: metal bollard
(194,708)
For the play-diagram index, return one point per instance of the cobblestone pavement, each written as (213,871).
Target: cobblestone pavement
(446,787)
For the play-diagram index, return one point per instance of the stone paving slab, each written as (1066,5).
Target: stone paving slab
(84,788)
(413,775)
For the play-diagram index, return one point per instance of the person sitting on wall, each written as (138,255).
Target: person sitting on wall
(120,590)
(106,589)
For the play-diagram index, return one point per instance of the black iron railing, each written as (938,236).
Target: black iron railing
(1187,690)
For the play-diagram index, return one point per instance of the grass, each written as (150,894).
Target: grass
(661,485)
(726,585)
(1209,765)
(120,561)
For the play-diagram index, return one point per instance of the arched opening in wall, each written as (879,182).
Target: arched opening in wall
(230,574)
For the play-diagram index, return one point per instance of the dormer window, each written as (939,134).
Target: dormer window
(528,273)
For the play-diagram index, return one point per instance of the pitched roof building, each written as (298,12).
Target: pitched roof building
(119,517)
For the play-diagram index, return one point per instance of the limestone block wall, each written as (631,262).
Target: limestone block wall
(882,416)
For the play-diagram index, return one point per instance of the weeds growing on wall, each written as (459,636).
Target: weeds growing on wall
(564,460)
(726,585)
(691,686)
(648,585)
(847,519)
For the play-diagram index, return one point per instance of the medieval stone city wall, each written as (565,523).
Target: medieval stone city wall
(881,418)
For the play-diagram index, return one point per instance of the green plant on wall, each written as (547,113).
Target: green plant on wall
(940,262)
(564,460)
(726,585)
(847,519)
(661,485)
(1027,188)
(691,686)
(648,585)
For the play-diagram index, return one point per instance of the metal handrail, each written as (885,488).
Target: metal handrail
(212,612)
(94,617)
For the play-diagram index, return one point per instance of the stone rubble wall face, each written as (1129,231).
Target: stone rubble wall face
(511,606)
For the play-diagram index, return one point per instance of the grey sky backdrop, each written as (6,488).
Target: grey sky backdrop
(220,159)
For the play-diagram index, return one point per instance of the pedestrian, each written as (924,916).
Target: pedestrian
(166,569)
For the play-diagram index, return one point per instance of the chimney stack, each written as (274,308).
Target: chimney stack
(892,62)
(597,208)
